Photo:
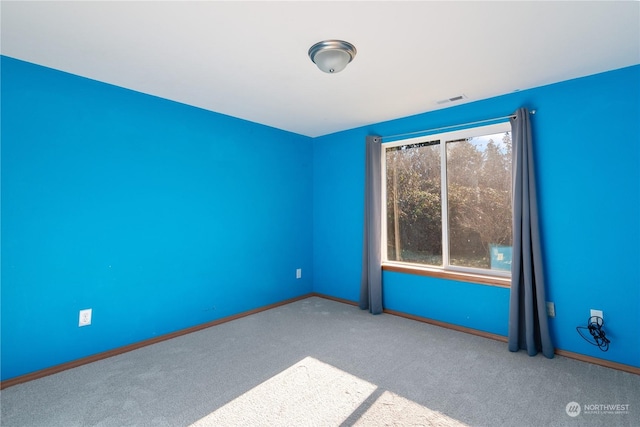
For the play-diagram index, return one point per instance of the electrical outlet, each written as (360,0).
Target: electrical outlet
(298,273)
(597,313)
(85,317)
(551,309)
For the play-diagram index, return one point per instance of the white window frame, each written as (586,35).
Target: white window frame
(501,127)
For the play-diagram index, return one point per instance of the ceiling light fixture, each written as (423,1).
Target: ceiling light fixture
(332,56)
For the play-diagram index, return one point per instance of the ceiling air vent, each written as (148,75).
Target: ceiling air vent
(453,99)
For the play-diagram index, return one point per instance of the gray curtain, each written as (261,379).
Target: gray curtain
(528,327)
(371,283)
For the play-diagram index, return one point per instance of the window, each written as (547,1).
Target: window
(448,201)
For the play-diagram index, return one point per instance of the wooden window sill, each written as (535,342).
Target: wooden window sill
(504,282)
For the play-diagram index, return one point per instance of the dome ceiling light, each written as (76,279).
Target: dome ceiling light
(332,56)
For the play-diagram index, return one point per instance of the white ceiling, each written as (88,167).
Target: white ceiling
(249,59)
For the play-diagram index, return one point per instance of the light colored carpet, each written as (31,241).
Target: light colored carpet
(317,362)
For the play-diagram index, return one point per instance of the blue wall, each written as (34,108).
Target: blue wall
(157,215)
(587,152)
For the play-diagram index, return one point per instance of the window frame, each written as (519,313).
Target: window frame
(461,273)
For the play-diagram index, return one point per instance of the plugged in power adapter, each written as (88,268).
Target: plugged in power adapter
(598,337)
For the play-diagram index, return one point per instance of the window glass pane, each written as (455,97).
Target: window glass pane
(479,201)
(414,210)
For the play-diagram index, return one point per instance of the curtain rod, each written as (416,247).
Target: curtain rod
(510,116)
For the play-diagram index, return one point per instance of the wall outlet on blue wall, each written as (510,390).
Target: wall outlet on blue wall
(551,309)
(85,317)
(299,273)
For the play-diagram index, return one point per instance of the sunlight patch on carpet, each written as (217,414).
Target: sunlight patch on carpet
(308,389)
(311,392)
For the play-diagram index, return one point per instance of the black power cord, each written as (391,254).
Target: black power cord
(594,326)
